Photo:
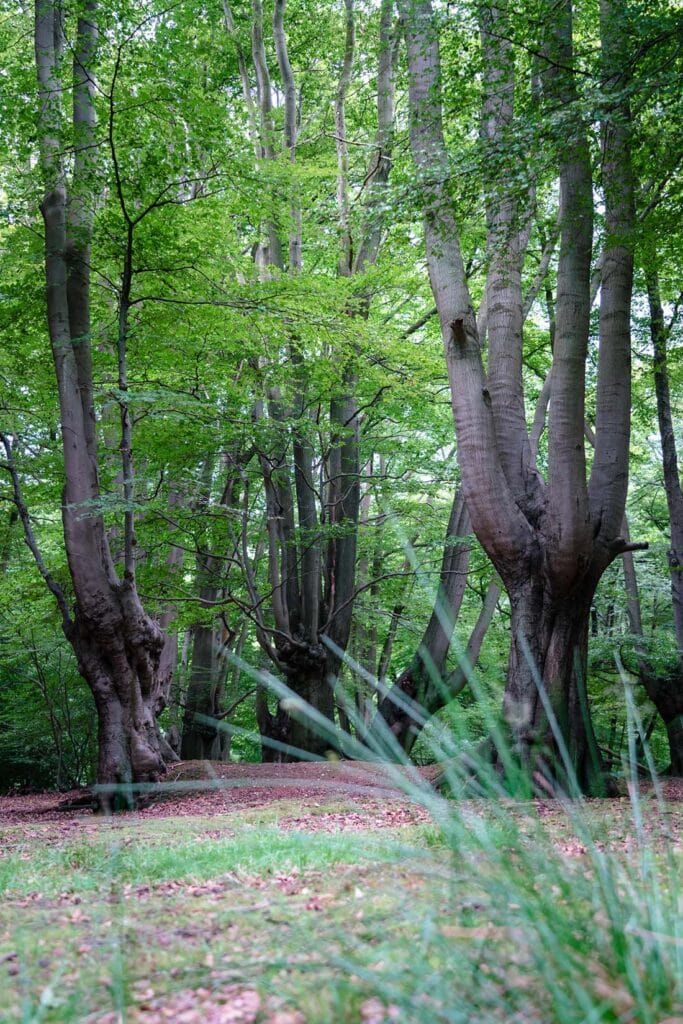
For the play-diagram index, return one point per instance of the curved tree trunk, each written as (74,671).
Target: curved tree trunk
(550,541)
(117,645)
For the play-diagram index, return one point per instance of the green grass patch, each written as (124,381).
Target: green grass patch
(89,864)
(499,911)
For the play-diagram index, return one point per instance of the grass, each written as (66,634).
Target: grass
(499,911)
(152,855)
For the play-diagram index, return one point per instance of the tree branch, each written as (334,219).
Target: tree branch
(29,536)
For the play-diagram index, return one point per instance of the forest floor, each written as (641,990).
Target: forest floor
(316,893)
(211,788)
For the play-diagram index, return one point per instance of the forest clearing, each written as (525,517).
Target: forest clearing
(313,903)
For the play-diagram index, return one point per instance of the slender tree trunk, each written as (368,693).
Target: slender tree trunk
(666,692)
(672,480)
(204,692)
(421,689)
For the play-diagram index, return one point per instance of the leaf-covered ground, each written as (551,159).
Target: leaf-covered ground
(306,895)
(203,787)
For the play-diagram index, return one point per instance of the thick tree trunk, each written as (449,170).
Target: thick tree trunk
(118,654)
(117,645)
(549,542)
(548,654)
(307,673)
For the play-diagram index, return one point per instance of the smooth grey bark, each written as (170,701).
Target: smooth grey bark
(423,689)
(117,645)
(549,541)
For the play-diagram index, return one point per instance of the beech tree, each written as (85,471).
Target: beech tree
(275,351)
(118,646)
(550,540)
(312,496)
(667,693)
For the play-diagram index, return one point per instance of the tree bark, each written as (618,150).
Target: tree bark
(117,645)
(203,739)
(549,542)
(312,581)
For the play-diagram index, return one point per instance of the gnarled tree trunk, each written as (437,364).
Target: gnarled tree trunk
(117,645)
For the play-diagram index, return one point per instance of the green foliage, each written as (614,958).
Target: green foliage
(210,336)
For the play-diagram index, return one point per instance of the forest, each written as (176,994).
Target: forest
(341,516)
(340,384)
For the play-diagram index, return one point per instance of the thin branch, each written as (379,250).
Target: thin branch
(29,536)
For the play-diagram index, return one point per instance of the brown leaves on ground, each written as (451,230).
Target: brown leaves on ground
(206,788)
(233,1004)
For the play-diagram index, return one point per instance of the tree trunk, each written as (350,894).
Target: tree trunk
(667,693)
(312,584)
(664,690)
(549,541)
(202,740)
(306,669)
(421,690)
(117,645)
(118,655)
(672,482)
(548,653)
(674,732)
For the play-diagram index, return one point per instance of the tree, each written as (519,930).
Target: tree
(312,496)
(667,693)
(118,646)
(550,541)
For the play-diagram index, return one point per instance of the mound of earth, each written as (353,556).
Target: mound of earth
(212,788)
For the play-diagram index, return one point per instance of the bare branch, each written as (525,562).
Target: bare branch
(29,536)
